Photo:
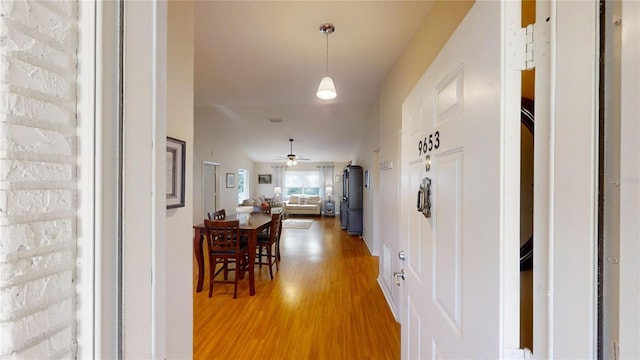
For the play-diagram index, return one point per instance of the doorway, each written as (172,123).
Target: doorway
(210,187)
(527,128)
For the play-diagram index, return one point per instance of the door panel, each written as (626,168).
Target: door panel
(447,242)
(455,293)
(416,248)
(414,328)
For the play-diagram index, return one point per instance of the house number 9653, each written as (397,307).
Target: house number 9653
(431,142)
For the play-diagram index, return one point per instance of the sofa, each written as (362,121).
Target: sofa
(260,203)
(303,205)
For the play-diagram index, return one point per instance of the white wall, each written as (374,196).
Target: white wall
(261,189)
(367,156)
(180,125)
(211,145)
(39,150)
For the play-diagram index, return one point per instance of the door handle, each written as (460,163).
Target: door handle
(424,198)
(397,275)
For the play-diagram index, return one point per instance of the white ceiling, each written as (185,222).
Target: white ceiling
(256,61)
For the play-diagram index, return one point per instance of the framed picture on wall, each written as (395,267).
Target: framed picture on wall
(175,169)
(231,180)
(264,179)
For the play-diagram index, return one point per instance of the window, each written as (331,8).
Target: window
(243,185)
(302,183)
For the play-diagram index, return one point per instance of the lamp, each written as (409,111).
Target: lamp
(277,191)
(329,192)
(327,90)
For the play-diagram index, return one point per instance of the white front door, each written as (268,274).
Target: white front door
(460,293)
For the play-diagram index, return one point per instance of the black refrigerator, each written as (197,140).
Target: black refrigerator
(351,205)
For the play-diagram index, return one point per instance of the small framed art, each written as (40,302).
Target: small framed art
(175,169)
(264,179)
(231,180)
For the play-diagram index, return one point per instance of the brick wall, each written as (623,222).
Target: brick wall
(38,179)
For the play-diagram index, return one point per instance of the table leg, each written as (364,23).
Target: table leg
(253,240)
(197,248)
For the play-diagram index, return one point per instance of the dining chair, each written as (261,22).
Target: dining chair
(279,234)
(218,215)
(225,248)
(266,242)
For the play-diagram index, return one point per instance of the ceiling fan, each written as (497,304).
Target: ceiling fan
(291,158)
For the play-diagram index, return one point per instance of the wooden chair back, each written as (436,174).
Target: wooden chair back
(276,226)
(218,215)
(223,235)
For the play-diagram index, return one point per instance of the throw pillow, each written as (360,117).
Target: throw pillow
(303,201)
(248,202)
(313,199)
(293,199)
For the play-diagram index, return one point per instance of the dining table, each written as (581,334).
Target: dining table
(251,224)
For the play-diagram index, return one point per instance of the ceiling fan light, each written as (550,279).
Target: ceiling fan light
(290,163)
(326,90)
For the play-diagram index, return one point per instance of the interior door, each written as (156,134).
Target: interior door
(461,130)
(209,187)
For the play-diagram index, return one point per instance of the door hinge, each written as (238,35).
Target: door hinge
(520,47)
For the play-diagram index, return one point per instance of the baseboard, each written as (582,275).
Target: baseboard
(388,298)
(369,248)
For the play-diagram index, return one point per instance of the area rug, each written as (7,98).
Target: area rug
(296,224)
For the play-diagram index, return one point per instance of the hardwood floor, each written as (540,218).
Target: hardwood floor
(324,303)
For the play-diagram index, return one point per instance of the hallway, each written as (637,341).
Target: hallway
(324,303)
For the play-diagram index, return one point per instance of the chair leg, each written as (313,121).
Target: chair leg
(235,282)
(241,264)
(212,271)
(269,262)
(275,260)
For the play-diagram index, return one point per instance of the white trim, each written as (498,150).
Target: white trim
(158,198)
(144,260)
(543,167)
(630,183)
(106,179)
(510,94)
(573,210)
(86,261)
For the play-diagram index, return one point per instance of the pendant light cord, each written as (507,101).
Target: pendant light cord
(327,63)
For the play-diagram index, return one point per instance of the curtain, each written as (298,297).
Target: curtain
(326,179)
(278,179)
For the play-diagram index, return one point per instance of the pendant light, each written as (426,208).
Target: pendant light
(327,90)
